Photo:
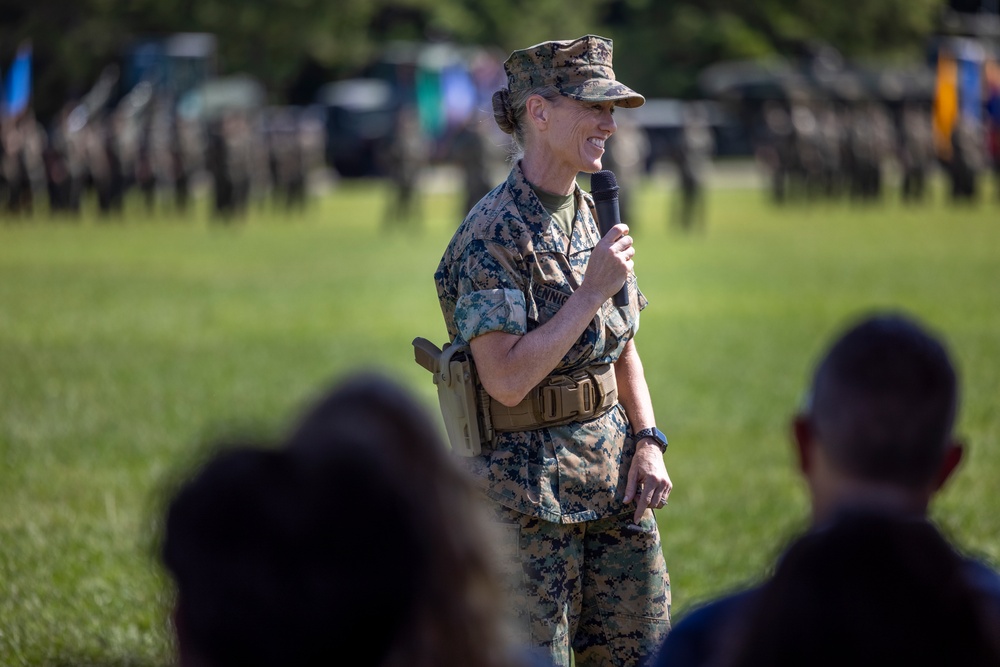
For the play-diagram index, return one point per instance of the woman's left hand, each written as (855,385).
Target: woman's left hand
(648,481)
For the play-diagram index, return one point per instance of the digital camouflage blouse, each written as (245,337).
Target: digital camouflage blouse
(508,269)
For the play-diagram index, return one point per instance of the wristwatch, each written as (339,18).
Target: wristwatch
(654,433)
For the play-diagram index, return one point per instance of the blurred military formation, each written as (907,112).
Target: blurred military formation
(94,154)
(821,151)
(147,145)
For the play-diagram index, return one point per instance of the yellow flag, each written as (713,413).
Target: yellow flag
(945,103)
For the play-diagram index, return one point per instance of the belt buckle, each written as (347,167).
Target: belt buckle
(568,398)
(552,399)
(584,393)
(549,400)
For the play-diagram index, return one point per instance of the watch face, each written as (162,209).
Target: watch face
(653,433)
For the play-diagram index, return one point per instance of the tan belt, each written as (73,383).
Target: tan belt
(560,399)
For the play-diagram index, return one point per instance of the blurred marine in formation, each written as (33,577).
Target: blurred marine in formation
(695,148)
(406,158)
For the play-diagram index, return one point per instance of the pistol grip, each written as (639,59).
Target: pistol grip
(427,354)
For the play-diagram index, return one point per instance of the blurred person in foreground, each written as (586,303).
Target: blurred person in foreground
(358,542)
(872,588)
(527,282)
(875,436)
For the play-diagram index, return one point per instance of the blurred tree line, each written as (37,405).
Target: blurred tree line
(289,44)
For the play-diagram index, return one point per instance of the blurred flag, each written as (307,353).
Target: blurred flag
(458,94)
(970,88)
(945,103)
(992,75)
(429,106)
(17,91)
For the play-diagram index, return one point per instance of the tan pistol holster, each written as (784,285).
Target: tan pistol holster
(458,391)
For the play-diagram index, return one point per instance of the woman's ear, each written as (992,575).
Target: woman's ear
(537,110)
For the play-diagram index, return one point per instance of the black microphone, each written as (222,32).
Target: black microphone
(604,190)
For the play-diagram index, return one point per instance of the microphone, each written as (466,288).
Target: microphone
(604,189)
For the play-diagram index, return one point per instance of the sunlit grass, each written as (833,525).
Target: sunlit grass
(126,345)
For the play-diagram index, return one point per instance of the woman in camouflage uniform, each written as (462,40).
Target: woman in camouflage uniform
(527,282)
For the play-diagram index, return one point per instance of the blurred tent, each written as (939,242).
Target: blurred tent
(360,118)
(733,81)
(357,94)
(174,64)
(663,121)
(783,80)
(215,97)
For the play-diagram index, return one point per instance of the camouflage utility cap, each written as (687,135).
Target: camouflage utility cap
(580,69)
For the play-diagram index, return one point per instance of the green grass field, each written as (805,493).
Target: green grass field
(126,346)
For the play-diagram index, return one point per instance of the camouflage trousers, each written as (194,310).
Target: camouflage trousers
(595,587)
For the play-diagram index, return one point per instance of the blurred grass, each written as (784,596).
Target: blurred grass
(127,345)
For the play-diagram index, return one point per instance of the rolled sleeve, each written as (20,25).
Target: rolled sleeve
(490,294)
(491,310)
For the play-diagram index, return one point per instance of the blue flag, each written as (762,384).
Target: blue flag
(17,91)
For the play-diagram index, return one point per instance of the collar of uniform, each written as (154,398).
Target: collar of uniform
(547,237)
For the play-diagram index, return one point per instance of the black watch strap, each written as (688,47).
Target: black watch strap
(654,433)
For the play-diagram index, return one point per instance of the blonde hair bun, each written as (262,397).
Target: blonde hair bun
(503,114)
